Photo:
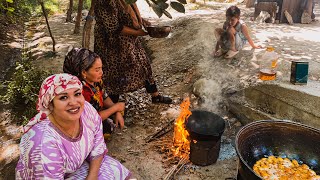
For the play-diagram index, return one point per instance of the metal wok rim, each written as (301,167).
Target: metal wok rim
(265,122)
(193,130)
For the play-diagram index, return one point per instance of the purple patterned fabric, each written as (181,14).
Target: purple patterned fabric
(46,153)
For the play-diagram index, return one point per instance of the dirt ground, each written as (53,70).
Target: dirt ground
(183,67)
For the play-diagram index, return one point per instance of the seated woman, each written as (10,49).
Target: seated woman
(87,66)
(64,140)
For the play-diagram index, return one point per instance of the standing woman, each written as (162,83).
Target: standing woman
(64,140)
(126,65)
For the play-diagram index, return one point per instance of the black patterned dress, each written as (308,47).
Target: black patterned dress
(126,66)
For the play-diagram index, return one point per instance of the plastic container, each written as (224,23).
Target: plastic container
(268,64)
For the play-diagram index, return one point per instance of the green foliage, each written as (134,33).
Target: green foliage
(86,5)
(183,1)
(52,6)
(7,6)
(177,6)
(160,6)
(22,90)
(15,9)
(26,7)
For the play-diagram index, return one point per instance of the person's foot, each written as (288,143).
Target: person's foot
(161,99)
(289,17)
(218,53)
(230,54)
(305,18)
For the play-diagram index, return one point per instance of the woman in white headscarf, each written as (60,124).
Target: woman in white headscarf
(64,140)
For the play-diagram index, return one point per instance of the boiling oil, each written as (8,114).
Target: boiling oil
(267,74)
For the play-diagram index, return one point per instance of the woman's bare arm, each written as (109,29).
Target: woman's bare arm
(135,32)
(94,168)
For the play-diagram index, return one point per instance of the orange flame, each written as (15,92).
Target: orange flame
(181,143)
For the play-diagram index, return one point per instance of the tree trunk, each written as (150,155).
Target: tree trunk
(87,27)
(250,3)
(46,17)
(69,12)
(78,19)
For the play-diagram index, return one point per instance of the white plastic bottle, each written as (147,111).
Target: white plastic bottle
(268,64)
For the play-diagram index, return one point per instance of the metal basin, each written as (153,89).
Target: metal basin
(158,31)
(279,138)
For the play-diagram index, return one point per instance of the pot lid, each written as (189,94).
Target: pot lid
(205,123)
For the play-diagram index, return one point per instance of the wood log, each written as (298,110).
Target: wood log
(293,7)
(167,128)
(250,3)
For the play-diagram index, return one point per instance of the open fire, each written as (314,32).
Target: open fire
(181,144)
(201,146)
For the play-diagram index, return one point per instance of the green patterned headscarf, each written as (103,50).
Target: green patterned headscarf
(77,60)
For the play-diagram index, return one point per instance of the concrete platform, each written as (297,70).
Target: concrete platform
(274,100)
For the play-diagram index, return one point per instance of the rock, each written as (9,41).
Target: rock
(262,17)
(306,18)
(233,120)
(238,124)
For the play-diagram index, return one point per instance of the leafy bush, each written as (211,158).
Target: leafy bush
(17,8)
(86,5)
(22,90)
(51,6)
(6,6)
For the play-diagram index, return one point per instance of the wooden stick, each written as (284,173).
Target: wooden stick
(170,172)
(162,141)
(161,132)
(159,135)
(168,159)
(174,168)
(185,162)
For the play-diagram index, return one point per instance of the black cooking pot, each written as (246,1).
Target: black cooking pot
(206,129)
(204,125)
(279,138)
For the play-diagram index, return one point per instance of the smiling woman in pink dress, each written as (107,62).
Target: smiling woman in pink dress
(64,140)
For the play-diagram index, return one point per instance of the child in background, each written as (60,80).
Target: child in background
(233,36)
(87,66)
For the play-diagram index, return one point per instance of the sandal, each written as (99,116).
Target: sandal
(218,53)
(230,54)
(108,126)
(161,99)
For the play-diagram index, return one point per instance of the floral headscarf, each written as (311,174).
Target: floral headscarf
(50,87)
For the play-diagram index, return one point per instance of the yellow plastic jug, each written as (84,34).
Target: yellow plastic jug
(268,64)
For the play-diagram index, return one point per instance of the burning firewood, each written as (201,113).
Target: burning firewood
(176,149)
(181,135)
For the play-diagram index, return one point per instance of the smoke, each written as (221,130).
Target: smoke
(210,93)
(216,76)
